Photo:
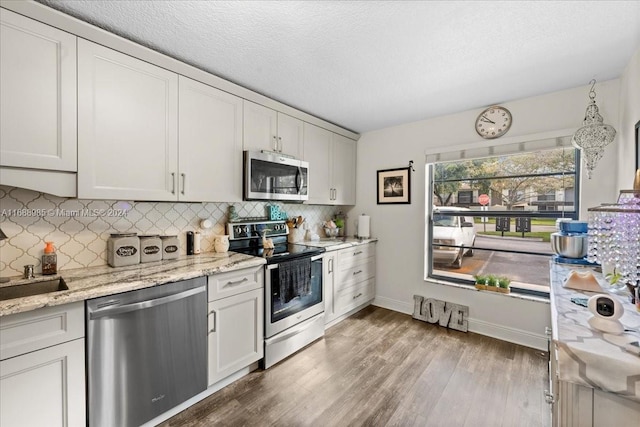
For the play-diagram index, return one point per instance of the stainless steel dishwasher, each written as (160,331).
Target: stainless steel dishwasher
(146,352)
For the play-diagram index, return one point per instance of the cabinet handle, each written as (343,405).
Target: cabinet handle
(549,397)
(173,183)
(330,265)
(275,143)
(357,272)
(213,312)
(358,296)
(280,142)
(184,182)
(237,282)
(357,253)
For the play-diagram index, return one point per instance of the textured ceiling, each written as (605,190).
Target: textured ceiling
(369,65)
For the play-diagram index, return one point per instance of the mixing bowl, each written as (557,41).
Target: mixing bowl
(569,245)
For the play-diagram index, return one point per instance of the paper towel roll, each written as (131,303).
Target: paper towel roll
(196,243)
(363,226)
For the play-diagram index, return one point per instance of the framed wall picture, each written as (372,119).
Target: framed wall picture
(394,186)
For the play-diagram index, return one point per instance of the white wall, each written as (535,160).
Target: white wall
(400,228)
(629,116)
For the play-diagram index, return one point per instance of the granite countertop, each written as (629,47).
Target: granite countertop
(92,282)
(335,244)
(587,356)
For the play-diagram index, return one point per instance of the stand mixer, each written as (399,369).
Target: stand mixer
(570,243)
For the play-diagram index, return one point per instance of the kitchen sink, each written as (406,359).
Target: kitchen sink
(35,288)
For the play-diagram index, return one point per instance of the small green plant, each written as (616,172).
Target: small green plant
(614,277)
(503,282)
(481,279)
(492,280)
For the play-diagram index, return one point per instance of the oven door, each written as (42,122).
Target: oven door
(280,315)
(269,176)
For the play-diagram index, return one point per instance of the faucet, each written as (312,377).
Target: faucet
(28,272)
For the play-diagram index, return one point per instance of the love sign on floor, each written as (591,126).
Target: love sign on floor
(447,314)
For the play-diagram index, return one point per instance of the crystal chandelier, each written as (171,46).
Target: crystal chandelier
(614,236)
(594,135)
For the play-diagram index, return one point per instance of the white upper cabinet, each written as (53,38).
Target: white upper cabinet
(267,129)
(127,127)
(37,95)
(317,151)
(343,170)
(290,135)
(332,166)
(210,143)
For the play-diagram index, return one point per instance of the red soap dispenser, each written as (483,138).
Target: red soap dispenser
(49,259)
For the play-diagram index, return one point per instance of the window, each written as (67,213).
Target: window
(495,215)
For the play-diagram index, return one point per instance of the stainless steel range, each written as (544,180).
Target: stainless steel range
(294,295)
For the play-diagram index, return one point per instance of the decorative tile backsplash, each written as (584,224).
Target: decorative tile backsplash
(79,228)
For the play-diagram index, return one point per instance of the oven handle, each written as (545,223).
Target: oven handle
(295,330)
(313,258)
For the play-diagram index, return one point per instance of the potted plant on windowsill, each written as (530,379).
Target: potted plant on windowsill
(503,285)
(492,283)
(481,282)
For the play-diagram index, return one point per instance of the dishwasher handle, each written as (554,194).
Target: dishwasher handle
(119,309)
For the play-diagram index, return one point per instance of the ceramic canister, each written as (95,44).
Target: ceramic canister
(170,247)
(123,249)
(150,248)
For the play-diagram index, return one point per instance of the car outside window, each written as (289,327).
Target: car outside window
(508,233)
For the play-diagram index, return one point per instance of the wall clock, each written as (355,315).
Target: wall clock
(493,122)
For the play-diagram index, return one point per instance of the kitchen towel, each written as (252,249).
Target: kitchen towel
(295,278)
(363,226)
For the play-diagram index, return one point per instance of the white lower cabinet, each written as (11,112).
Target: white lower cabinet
(349,280)
(44,387)
(236,324)
(574,405)
(42,374)
(329,262)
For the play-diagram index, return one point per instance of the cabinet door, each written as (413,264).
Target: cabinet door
(44,387)
(210,144)
(317,151)
(290,135)
(329,278)
(127,127)
(343,170)
(235,333)
(260,127)
(37,95)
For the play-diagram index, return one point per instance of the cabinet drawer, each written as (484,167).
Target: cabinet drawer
(355,274)
(354,296)
(234,282)
(355,255)
(33,330)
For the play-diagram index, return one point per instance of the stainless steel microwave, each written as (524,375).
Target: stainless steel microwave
(272,176)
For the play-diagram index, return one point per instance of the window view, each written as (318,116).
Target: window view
(494,216)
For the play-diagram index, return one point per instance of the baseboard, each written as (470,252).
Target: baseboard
(501,332)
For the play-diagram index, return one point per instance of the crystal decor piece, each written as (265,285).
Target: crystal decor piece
(594,135)
(614,236)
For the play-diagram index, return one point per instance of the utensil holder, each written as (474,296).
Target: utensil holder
(296,235)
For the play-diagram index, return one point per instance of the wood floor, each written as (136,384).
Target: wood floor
(380,368)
